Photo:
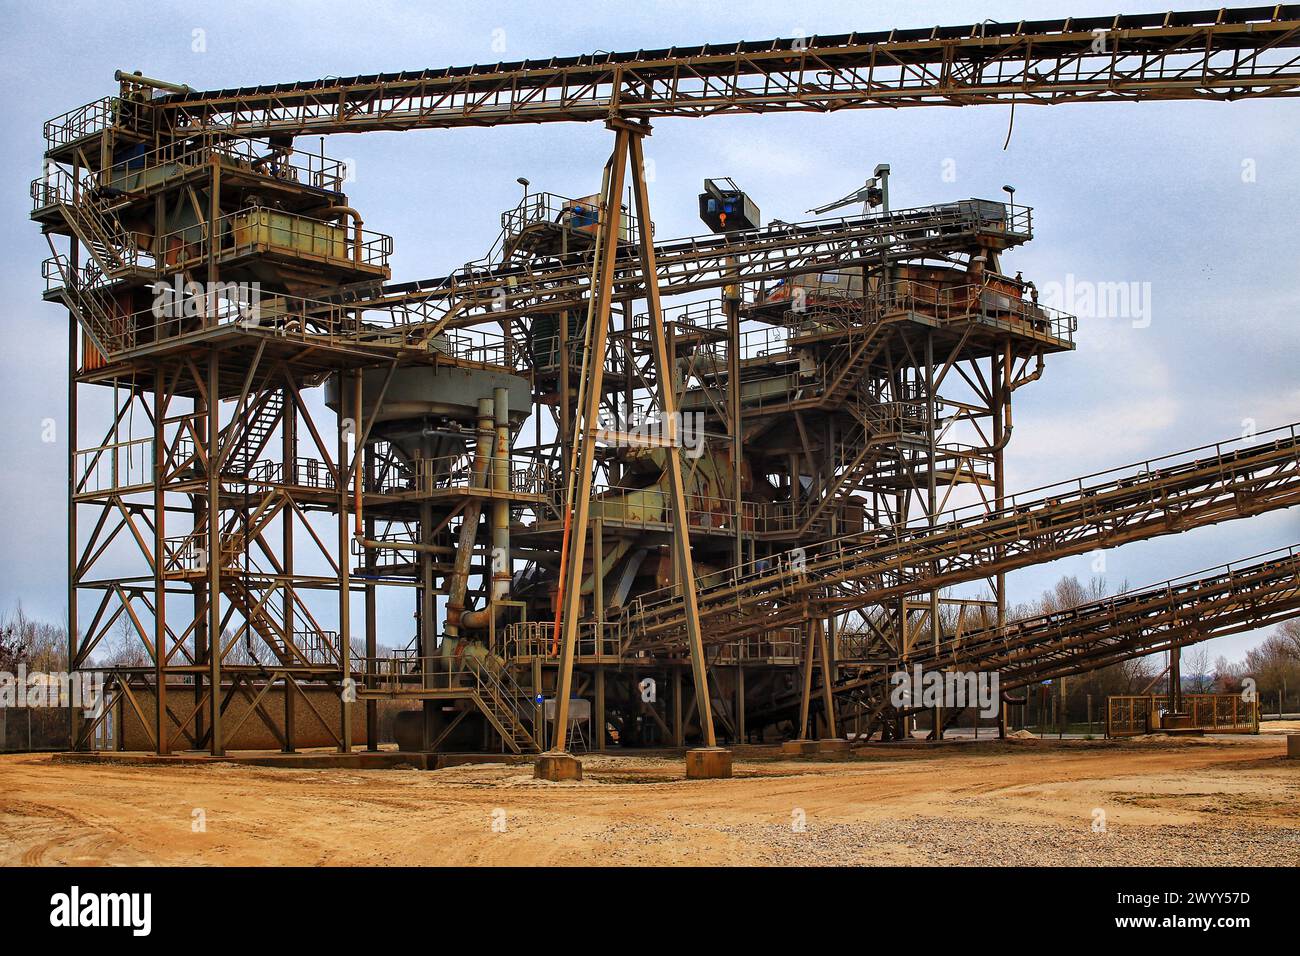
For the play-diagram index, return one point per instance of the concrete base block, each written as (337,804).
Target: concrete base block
(708,763)
(833,747)
(799,748)
(1293,746)
(557,766)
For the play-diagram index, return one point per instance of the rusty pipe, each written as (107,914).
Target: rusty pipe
(995,447)
(357,456)
(1033,376)
(356,229)
(407,546)
(501,504)
(139,79)
(469,525)
(499,589)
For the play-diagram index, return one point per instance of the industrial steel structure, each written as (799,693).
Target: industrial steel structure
(730,514)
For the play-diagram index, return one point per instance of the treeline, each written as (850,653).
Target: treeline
(1274,665)
(38,645)
(42,646)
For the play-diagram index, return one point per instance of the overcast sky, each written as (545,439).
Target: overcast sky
(1147,193)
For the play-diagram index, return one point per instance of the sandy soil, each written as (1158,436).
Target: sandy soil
(1165,801)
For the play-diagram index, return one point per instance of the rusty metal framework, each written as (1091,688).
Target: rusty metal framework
(1221,54)
(757,457)
(1159,618)
(1152,498)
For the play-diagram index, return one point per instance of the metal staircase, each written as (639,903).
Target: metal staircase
(484,681)
(863,346)
(305,643)
(877,428)
(93,223)
(250,588)
(504,704)
(114,253)
(89,300)
(253,606)
(252,431)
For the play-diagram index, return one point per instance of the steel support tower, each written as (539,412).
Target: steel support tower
(756,458)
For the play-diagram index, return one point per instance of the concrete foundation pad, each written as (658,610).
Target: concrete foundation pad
(708,763)
(833,747)
(799,748)
(1293,746)
(557,766)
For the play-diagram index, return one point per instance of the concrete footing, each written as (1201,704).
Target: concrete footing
(833,747)
(557,766)
(1293,746)
(799,748)
(708,763)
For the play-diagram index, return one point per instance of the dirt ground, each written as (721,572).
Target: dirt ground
(1223,800)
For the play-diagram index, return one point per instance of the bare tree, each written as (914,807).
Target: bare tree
(126,649)
(1228,675)
(12,652)
(1289,632)
(1275,670)
(1196,669)
(38,644)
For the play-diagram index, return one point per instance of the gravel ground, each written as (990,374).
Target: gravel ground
(989,843)
(1187,801)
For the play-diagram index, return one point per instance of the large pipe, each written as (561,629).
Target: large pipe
(356,228)
(1031,377)
(500,514)
(139,79)
(357,462)
(456,584)
(407,546)
(501,504)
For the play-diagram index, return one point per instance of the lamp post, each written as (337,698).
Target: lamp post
(523,205)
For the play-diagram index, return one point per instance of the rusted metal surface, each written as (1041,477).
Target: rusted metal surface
(853,402)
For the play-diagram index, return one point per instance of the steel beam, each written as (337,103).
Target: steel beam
(1217,55)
